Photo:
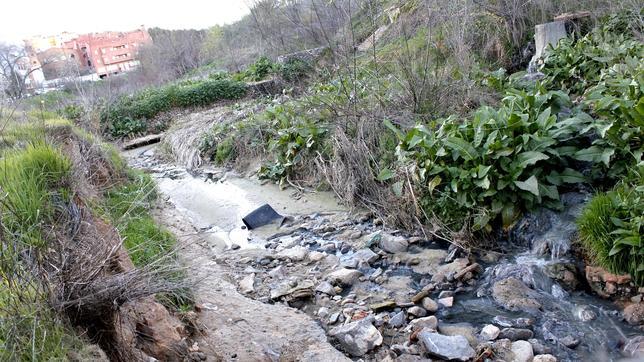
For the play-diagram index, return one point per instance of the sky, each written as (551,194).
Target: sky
(23,18)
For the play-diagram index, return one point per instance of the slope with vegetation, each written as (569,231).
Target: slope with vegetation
(67,283)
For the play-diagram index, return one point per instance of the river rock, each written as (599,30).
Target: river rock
(460,329)
(446,347)
(585,314)
(515,334)
(634,313)
(503,350)
(429,305)
(570,341)
(393,244)
(357,338)
(365,256)
(344,276)
(277,272)
(514,295)
(450,269)
(514,323)
(428,323)
(326,288)
(544,358)
(417,311)
(609,285)
(247,284)
(490,332)
(522,351)
(564,273)
(538,347)
(296,253)
(446,302)
(316,256)
(397,320)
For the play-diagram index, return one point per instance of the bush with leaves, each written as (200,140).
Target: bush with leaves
(611,228)
(293,135)
(128,115)
(576,64)
(501,161)
(294,69)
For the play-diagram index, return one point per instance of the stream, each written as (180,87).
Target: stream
(535,290)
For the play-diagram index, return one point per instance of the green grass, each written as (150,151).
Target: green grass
(610,229)
(128,205)
(33,180)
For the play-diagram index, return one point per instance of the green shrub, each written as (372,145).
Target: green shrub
(129,114)
(576,64)
(72,112)
(259,70)
(501,161)
(611,227)
(294,69)
(293,135)
(617,101)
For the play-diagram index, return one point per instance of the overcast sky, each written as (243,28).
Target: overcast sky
(22,18)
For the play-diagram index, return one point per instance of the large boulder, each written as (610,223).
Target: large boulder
(357,338)
(514,295)
(446,347)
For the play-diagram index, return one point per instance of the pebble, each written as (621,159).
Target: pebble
(522,351)
(323,312)
(430,305)
(333,318)
(490,332)
(235,246)
(417,311)
(446,302)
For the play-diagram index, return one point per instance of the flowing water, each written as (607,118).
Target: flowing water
(216,203)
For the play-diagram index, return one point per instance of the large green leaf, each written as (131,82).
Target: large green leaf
(531,185)
(530,158)
(464,148)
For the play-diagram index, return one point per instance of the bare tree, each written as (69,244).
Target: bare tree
(15,70)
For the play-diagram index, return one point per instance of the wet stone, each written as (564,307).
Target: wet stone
(466,330)
(428,323)
(522,351)
(490,332)
(446,347)
(544,358)
(446,302)
(514,295)
(570,342)
(344,276)
(538,347)
(515,334)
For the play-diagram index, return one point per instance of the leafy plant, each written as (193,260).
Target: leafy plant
(294,69)
(501,161)
(295,134)
(611,227)
(576,64)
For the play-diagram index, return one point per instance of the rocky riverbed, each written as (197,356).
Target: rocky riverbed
(327,283)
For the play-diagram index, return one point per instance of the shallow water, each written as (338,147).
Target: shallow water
(217,206)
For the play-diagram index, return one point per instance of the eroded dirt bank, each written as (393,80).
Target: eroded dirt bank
(331,285)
